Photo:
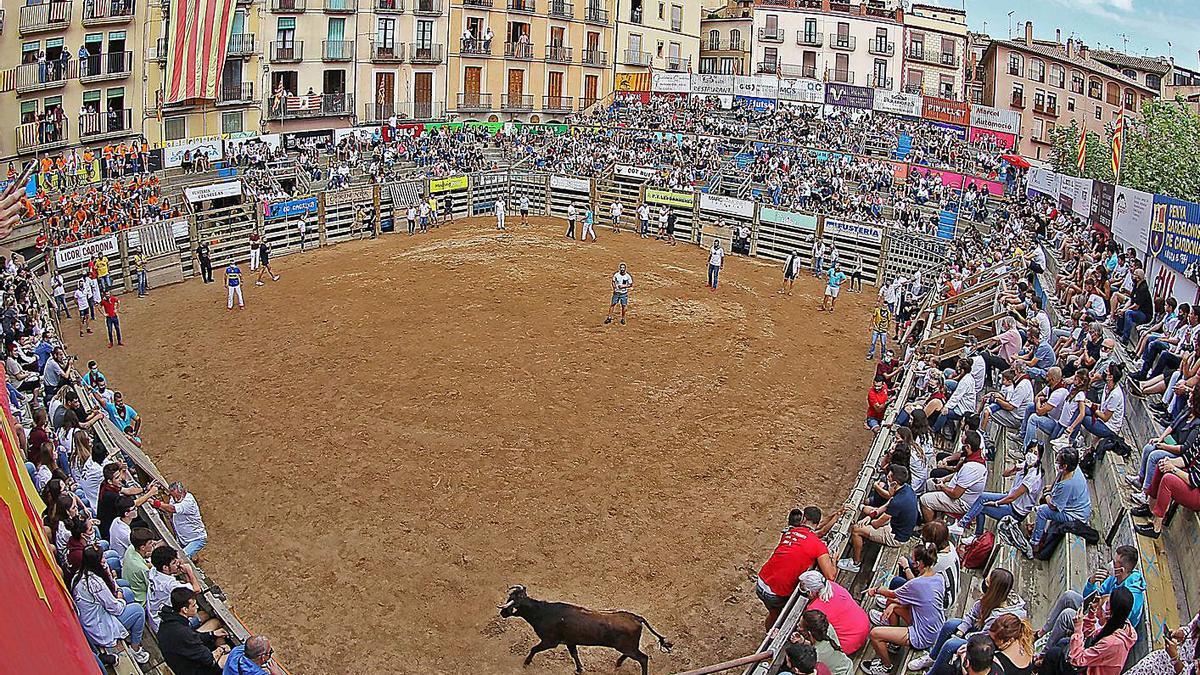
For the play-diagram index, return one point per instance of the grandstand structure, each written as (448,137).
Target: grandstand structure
(221,210)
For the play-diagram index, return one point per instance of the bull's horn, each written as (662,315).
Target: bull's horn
(516,587)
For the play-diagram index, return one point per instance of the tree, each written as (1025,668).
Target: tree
(1162,151)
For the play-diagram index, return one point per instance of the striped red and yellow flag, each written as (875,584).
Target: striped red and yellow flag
(197,39)
(1118,143)
(1081,159)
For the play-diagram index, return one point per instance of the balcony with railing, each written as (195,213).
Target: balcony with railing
(916,52)
(524,6)
(677,64)
(767,67)
(478,4)
(880,47)
(39,76)
(595,58)
(810,39)
(769,34)
(389,6)
(724,45)
(111,66)
(35,137)
(561,9)
(797,70)
(839,76)
(390,53)
(553,103)
(518,50)
(881,82)
(425,52)
(340,6)
(427,7)
(337,50)
(634,57)
(474,47)
(235,92)
(516,102)
(311,105)
(44,17)
(98,126)
(596,14)
(558,54)
(289,6)
(1045,108)
(375,113)
(474,100)
(105,12)
(287,51)
(843,42)
(949,59)
(240,44)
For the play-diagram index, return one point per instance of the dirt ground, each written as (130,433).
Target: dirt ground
(396,431)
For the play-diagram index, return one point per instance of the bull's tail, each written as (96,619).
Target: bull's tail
(663,643)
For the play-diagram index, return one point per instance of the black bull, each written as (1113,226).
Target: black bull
(559,623)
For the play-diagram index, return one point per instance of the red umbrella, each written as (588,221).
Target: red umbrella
(1016,160)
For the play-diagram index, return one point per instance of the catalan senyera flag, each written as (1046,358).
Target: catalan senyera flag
(197,39)
(1081,159)
(1118,143)
(39,631)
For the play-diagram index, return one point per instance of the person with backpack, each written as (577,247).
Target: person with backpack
(999,598)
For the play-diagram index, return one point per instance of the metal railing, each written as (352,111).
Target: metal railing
(113,122)
(486,4)
(35,76)
(846,42)
(393,53)
(881,47)
(948,59)
(474,101)
(337,50)
(561,9)
(158,51)
(558,54)
(676,64)
(287,52)
(767,67)
(389,6)
(340,6)
(526,6)
(38,136)
(288,6)
(596,15)
(100,12)
(768,34)
(374,113)
(725,45)
(105,66)
(518,50)
(240,44)
(231,92)
(840,76)
(634,57)
(311,105)
(516,101)
(427,7)
(881,82)
(594,57)
(809,39)
(428,52)
(474,47)
(557,103)
(43,17)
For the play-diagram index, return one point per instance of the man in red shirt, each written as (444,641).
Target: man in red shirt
(800,547)
(109,303)
(877,400)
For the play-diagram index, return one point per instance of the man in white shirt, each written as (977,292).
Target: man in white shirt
(1107,419)
(165,568)
(185,518)
(643,211)
(572,214)
(500,209)
(962,400)
(616,209)
(1008,405)
(83,301)
(524,209)
(956,493)
(622,281)
(716,258)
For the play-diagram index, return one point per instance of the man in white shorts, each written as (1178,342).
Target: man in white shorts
(617,210)
(500,209)
(832,287)
(621,283)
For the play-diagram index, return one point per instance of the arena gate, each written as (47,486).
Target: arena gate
(452,191)
(781,233)
(623,184)
(280,225)
(166,249)
(906,253)
(71,261)
(486,190)
(339,213)
(395,199)
(532,185)
(719,216)
(855,240)
(683,204)
(227,232)
(565,191)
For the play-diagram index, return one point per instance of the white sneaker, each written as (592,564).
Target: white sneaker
(874,667)
(956,531)
(876,617)
(967,541)
(1134,480)
(922,663)
(259,283)
(848,565)
(140,655)
(1139,498)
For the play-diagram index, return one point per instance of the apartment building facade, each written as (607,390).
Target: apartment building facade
(935,51)
(1053,83)
(661,35)
(73,74)
(725,39)
(533,60)
(858,44)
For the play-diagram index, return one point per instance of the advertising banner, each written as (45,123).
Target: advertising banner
(992,139)
(1100,214)
(631,82)
(209,146)
(949,178)
(291,208)
(853,230)
(1079,190)
(350,195)
(899,172)
(801,91)
(756,86)
(1131,217)
(570,184)
(759,104)
(1175,235)
(683,200)
(673,83)
(945,110)
(449,183)
(995,119)
(799,221)
(849,96)
(898,103)
(1046,182)
(730,206)
(77,254)
(993,187)
(231,188)
(639,172)
(712,85)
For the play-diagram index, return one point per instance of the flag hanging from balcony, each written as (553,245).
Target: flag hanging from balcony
(1118,144)
(197,38)
(1082,158)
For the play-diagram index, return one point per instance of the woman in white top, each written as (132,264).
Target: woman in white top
(88,475)
(106,617)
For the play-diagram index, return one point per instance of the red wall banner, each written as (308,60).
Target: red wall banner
(945,110)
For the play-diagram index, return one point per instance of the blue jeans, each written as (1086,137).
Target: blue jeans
(979,509)
(142,283)
(946,646)
(113,323)
(133,617)
(881,339)
(945,418)
(714,271)
(1132,318)
(1045,515)
(1150,457)
(62,305)
(1049,426)
(194,547)
(1096,426)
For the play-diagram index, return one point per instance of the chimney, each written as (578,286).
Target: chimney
(1028,33)
(1058,36)
(1070,47)
(1083,52)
